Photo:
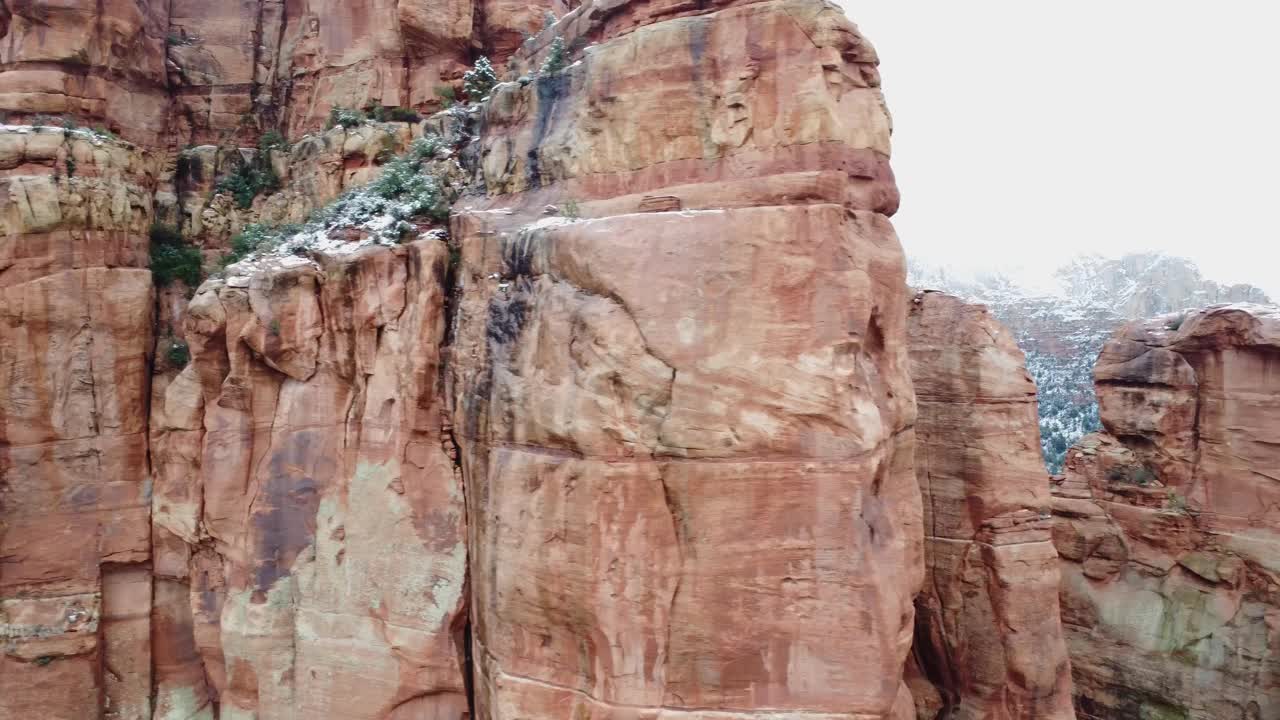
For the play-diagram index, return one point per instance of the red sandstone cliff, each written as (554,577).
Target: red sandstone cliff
(989,642)
(625,429)
(285,532)
(1168,527)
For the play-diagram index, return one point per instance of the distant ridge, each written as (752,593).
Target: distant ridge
(1062,329)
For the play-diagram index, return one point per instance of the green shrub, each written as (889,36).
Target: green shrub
(383,210)
(569,209)
(173,258)
(378,113)
(400,114)
(1176,502)
(557,58)
(255,237)
(178,353)
(447,94)
(272,140)
(71,166)
(346,117)
(249,180)
(479,80)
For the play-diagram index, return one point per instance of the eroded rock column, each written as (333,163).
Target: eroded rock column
(682,391)
(989,640)
(309,520)
(75,335)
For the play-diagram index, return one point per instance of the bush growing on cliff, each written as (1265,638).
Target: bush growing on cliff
(177,353)
(479,80)
(272,140)
(448,96)
(173,258)
(255,237)
(250,179)
(381,211)
(557,58)
(346,117)
(380,113)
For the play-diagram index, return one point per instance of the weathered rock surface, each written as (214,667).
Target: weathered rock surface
(91,61)
(1168,524)
(308,520)
(237,69)
(684,402)
(75,341)
(989,641)
(668,334)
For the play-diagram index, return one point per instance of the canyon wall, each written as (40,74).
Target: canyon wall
(76,314)
(626,429)
(252,504)
(684,408)
(1169,523)
(989,642)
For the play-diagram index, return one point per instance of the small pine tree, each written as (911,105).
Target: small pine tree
(556,58)
(479,80)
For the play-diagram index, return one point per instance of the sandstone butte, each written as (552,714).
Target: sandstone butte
(1168,523)
(632,434)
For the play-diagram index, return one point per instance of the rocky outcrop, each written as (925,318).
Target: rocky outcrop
(75,341)
(86,61)
(688,442)
(1062,333)
(1167,523)
(238,69)
(989,642)
(308,520)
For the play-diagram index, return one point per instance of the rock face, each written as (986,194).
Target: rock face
(236,69)
(688,444)
(1168,527)
(989,642)
(627,432)
(75,340)
(308,520)
(90,61)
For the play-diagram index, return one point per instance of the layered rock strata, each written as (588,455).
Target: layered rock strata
(989,642)
(683,401)
(75,342)
(1168,524)
(637,442)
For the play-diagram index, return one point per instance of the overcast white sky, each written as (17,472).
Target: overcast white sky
(1026,132)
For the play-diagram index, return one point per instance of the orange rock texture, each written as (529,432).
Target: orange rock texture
(628,431)
(76,313)
(989,641)
(683,399)
(1168,523)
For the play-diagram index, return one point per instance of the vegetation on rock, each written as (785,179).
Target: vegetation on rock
(382,211)
(479,80)
(557,58)
(173,258)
